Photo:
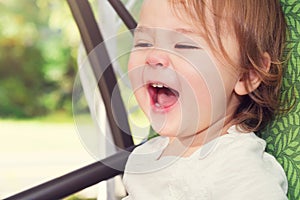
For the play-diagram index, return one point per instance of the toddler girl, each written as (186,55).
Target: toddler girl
(207,74)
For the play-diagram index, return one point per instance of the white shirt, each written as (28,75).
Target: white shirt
(234,166)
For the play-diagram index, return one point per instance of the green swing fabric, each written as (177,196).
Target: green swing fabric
(283,134)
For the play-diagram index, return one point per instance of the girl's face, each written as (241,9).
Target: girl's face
(179,85)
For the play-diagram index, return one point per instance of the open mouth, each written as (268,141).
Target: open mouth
(162,96)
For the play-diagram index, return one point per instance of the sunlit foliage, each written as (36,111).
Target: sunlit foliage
(38,50)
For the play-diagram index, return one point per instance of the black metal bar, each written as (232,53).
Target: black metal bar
(123,14)
(77,180)
(102,68)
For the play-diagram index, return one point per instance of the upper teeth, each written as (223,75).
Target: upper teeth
(158,85)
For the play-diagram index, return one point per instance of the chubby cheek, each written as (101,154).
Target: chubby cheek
(135,74)
(135,63)
(196,104)
(135,70)
(143,100)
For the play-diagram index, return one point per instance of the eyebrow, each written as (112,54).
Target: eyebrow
(190,32)
(143,29)
(185,31)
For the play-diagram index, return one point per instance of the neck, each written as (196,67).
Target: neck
(186,146)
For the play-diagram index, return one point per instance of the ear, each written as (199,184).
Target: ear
(244,86)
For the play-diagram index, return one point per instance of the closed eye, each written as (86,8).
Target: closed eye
(186,46)
(142,45)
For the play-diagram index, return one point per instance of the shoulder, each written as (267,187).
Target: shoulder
(248,168)
(242,145)
(238,149)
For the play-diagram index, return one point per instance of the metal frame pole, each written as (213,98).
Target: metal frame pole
(103,71)
(77,180)
(123,14)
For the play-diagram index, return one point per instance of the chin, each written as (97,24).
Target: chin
(168,131)
(163,131)
(167,134)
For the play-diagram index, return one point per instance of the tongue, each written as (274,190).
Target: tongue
(166,98)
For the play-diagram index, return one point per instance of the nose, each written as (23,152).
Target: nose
(158,59)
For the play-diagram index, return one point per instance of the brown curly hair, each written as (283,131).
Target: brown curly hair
(259,26)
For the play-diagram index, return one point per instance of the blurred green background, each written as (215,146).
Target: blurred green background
(38,64)
(38,50)
(39,44)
